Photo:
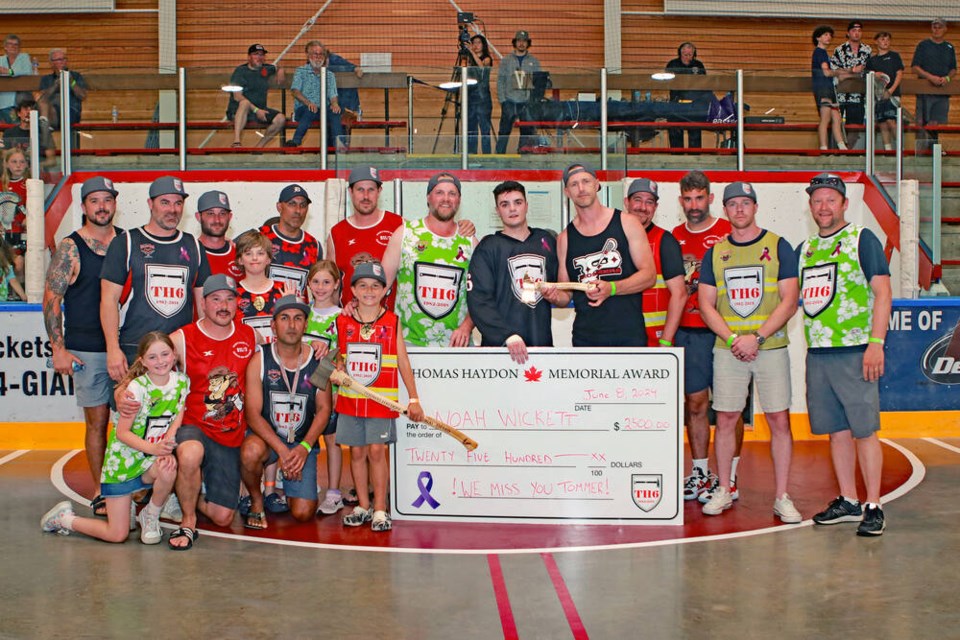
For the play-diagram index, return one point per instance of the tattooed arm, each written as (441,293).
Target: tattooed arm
(63,272)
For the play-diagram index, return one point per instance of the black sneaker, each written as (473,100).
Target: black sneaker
(840,510)
(873,523)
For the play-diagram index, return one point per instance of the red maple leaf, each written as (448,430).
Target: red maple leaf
(532,374)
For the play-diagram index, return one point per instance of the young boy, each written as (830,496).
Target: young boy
(256,293)
(371,335)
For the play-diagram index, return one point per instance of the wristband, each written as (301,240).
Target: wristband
(613,289)
(730,340)
(303,443)
(665,343)
(414,401)
(255,111)
(946,78)
(876,340)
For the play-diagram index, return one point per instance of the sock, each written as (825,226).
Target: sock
(700,463)
(153,509)
(733,470)
(334,492)
(852,501)
(888,147)
(823,148)
(842,146)
(67,520)
(872,505)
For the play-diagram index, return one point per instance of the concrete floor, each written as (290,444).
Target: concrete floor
(787,582)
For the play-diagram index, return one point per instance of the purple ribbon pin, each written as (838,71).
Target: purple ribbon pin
(425,483)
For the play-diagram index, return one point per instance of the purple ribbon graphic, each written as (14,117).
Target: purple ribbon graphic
(425,483)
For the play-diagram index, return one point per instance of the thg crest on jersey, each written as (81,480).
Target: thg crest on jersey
(744,289)
(437,288)
(819,288)
(646,490)
(605,262)
(288,412)
(527,264)
(156,428)
(166,288)
(363,362)
(284,273)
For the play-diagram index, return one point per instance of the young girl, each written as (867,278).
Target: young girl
(824,93)
(256,293)
(323,280)
(139,451)
(13,205)
(8,279)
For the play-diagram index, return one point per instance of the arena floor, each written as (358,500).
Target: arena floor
(739,575)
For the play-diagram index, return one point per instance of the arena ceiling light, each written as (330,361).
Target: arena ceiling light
(450,86)
(231,88)
(663,75)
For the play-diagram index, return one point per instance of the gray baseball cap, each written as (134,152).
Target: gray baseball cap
(290,302)
(443,176)
(643,185)
(738,190)
(827,181)
(359,174)
(371,269)
(575,169)
(212,199)
(166,185)
(219,282)
(97,183)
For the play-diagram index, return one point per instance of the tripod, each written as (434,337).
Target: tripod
(453,97)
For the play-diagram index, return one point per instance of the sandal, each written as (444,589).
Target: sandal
(237,145)
(275,503)
(99,506)
(256,520)
(183,532)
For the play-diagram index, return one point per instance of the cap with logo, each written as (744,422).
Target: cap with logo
(371,269)
(359,174)
(290,302)
(213,199)
(521,35)
(292,191)
(854,23)
(643,185)
(97,183)
(739,190)
(167,185)
(219,282)
(827,181)
(575,169)
(256,48)
(443,177)
(939,21)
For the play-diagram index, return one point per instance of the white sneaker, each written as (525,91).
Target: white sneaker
(381,521)
(332,502)
(171,509)
(783,507)
(52,521)
(150,532)
(720,502)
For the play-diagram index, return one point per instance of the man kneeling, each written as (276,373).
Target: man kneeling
(286,415)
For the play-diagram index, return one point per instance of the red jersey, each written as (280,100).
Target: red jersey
(693,246)
(224,261)
(372,362)
(292,258)
(217,371)
(255,308)
(657,297)
(353,245)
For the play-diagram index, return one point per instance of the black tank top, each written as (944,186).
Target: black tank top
(287,412)
(618,322)
(81,315)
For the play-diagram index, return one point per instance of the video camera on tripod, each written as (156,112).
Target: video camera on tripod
(463,19)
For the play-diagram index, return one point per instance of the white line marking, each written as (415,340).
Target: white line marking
(941,443)
(13,456)
(916,477)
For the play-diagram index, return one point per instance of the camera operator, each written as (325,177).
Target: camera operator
(475,54)
(514,81)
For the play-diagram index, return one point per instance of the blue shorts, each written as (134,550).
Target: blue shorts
(306,486)
(120,489)
(92,384)
(697,358)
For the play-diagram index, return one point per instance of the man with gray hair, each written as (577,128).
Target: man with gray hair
(49,99)
(12,64)
(306,91)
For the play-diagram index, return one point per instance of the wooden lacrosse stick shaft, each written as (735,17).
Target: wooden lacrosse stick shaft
(530,284)
(344,380)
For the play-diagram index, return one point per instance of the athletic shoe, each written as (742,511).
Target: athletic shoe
(359,516)
(696,483)
(276,503)
(171,509)
(332,502)
(706,495)
(52,521)
(873,522)
(243,505)
(783,507)
(149,521)
(720,502)
(351,497)
(840,510)
(381,521)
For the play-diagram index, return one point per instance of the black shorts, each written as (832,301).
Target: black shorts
(220,467)
(251,116)
(826,95)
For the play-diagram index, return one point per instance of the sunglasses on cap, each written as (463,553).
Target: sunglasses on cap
(827,181)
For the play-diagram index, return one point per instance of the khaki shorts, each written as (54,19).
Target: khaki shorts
(732,377)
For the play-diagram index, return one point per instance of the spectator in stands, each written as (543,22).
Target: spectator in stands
(49,100)
(935,61)
(824,94)
(686,63)
(888,62)
(852,56)
(250,103)
(349,97)
(479,100)
(19,135)
(13,63)
(306,90)
(514,81)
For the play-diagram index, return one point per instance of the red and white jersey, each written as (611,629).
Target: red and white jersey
(224,261)
(693,246)
(353,245)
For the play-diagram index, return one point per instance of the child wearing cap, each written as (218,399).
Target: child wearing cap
(373,352)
